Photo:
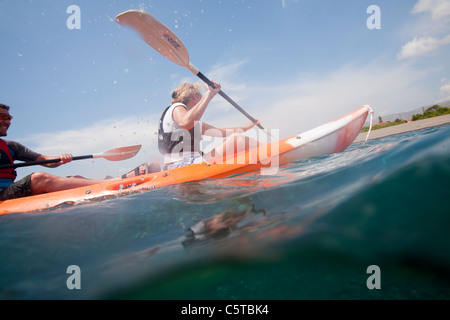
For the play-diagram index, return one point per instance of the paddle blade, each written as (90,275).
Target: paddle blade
(119,154)
(156,35)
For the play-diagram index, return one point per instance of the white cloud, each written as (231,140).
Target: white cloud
(444,91)
(433,32)
(312,100)
(100,137)
(438,8)
(308,100)
(421,45)
(284,3)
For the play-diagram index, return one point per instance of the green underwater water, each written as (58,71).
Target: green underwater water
(309,232)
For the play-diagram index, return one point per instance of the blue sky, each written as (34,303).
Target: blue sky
(293,64)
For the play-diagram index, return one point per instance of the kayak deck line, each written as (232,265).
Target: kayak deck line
(329,138)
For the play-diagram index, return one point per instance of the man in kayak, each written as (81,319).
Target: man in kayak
(37,182)
(181,130)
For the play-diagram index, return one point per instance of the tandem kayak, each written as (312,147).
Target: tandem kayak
(329,138)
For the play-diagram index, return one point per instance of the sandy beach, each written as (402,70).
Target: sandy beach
(405,127)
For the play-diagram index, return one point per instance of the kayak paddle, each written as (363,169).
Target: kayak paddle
(116,154)
(163,40)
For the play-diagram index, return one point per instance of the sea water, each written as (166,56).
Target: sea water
(371,222)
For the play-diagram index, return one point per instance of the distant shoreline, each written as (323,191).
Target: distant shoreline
(405,127)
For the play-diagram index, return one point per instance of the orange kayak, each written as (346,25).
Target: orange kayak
(329,138)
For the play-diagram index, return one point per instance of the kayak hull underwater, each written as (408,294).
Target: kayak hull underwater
(329,138)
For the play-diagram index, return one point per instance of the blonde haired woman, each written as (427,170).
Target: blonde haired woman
(181,131)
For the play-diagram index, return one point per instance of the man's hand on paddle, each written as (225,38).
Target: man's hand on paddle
(65,158)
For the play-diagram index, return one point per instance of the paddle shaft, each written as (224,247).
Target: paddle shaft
(116,154)
(226,97)
(165,42)
(41,162)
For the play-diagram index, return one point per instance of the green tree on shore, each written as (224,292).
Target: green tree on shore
(433,111)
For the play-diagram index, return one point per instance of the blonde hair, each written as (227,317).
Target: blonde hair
(185,92)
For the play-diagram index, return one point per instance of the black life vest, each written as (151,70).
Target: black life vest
(180,140)
(6,158)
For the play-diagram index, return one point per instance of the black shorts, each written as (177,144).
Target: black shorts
(19,189)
